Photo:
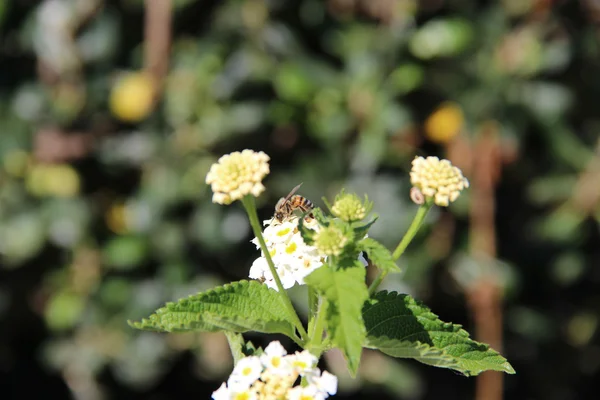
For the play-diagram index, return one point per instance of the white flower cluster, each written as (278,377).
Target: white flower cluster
(238,174)
(294,260)
(273,375)
(437,179)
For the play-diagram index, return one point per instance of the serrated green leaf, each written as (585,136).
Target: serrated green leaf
(395,322)
(410,349)
(361,230)
(378,254)
(345,292)
(239,307)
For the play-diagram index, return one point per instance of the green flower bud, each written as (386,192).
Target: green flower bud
(349,207)
(330,241)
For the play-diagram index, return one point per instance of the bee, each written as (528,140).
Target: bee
(286,206)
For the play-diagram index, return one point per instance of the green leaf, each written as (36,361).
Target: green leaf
(378,254)
(400,326)
(361,230)
(320,217)
(239,307)
(308,235)
(346,293)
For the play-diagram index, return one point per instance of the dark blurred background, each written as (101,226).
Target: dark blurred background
(112,111)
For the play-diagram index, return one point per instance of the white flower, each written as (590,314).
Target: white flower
(274,359)
(246,371)
(293,259)
(305,393)
(222,393)
(272,376)
(304,363)
(238,174)
(246,394)
(326,383)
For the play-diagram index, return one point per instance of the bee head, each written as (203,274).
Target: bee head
(279,216)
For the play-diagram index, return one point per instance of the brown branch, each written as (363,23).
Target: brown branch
(157,40)
(484,297)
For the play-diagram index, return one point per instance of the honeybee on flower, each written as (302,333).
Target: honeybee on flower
(286,206)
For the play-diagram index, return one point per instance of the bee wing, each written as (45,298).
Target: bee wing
(294,190)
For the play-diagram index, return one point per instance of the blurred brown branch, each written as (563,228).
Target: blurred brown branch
(157,40)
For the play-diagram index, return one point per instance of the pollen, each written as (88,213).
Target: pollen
(291,248)
(283,232)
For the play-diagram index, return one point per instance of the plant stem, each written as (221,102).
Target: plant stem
(319,327)
(235,340)
(408,237)
(313,302)
(250,206)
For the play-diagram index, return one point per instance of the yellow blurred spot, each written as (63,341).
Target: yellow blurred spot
(132,97)
(444,123)
(116,219)
(60,180)
(63,181)
(581,328)
(16,163)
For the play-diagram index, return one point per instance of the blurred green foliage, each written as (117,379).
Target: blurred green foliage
(103,221)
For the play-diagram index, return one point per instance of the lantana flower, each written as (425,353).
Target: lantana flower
(437,179)
(238,174)
(277,375)
(294,260)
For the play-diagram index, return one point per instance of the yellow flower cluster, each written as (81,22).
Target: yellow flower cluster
(437,179)
(238,174)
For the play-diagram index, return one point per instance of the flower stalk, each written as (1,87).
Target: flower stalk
(250,207)
(406,239)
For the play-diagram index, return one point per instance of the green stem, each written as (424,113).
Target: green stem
(319,327)
(249,205)
(408,237)
(235,341)
(312,303)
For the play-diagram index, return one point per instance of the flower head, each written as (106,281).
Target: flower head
(330,241)
(293,258)
(277,382)
(437,179)
(349,207)
(238,174)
